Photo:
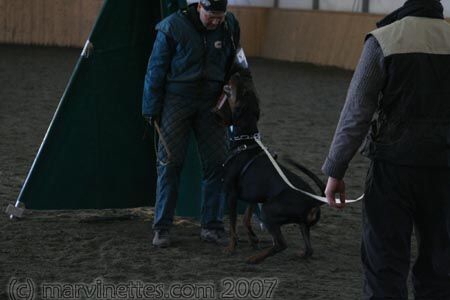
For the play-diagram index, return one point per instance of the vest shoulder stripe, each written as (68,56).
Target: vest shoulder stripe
(414,35)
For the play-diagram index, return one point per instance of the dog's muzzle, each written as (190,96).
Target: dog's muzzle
(222,110)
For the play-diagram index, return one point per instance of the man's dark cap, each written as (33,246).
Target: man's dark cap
(214,5)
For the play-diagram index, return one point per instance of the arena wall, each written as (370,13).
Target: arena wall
(319,37)
(47,22)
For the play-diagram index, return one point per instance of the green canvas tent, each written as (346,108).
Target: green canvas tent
(94,154)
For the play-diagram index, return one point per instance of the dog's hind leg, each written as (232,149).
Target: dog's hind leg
(253,239)
(232,204)
(311,219)
(306,238)
(279,244)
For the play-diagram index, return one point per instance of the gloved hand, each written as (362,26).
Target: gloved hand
(152,119)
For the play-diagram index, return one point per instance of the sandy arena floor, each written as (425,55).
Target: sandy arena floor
(300,109)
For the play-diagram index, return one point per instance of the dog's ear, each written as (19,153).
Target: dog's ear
(246,73)
(253,101)
(258,113)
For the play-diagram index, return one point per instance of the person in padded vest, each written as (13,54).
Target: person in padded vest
(400,96)
(192,53)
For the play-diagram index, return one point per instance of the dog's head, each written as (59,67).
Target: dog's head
(238,99)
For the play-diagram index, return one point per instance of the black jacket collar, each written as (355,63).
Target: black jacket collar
(415,8)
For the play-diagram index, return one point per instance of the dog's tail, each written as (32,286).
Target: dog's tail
(310,174)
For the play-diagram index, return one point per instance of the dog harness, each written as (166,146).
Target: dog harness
(242,148)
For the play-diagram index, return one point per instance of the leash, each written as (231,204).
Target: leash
(286,180)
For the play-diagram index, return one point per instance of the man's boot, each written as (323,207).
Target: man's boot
(161,238)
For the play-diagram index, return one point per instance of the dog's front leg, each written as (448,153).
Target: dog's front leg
(232,205)
(253,239)
(279,244)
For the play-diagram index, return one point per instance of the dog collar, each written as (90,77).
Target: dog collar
(246,137)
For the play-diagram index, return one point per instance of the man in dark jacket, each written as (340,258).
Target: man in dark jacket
(191,56)
(401,91)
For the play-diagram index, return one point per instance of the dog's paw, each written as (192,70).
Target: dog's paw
(229,250)
(255,259)
(255,244)
(305,254)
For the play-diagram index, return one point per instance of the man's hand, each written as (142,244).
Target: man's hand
(335,186)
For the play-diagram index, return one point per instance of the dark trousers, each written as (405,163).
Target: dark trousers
(398,199)
(180,115)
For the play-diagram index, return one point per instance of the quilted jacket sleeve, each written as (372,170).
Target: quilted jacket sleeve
(157,70)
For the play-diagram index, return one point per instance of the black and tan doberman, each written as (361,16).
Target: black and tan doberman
(250,176)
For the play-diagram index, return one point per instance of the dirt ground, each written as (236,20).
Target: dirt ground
(300,109)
